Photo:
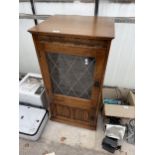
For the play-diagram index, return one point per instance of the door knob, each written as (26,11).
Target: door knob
(97,84)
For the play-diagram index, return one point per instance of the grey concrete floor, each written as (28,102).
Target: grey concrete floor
(41,148)
(69,140)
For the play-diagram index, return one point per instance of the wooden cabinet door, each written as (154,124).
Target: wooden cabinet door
(73,76)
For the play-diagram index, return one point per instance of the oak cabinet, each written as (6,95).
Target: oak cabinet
(72,53)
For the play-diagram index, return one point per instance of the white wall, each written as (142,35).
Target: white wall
(27,56)
(120,68)
(121,63)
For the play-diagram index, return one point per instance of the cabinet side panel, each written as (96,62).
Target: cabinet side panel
(101,62)
(44,72)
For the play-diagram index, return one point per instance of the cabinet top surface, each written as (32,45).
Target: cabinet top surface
(82,26)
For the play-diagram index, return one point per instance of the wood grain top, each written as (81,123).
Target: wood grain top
(82,26)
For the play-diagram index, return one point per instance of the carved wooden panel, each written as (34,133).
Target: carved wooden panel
(74,41)
(77,115)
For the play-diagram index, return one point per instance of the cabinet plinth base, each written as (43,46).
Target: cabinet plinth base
(73,123)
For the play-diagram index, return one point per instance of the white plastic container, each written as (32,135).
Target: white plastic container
(33,115)
(31,90)
(32,121)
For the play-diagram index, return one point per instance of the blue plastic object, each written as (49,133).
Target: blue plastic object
(111,101)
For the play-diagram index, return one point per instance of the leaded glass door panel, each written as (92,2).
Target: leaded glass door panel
(73,71)
(71,75)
